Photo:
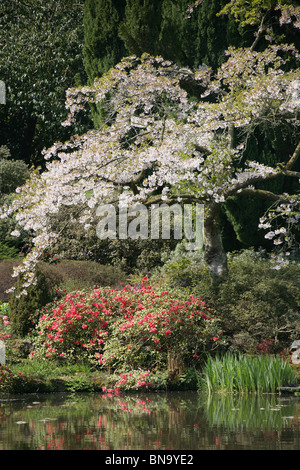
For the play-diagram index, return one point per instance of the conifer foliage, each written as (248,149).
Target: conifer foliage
(102,46)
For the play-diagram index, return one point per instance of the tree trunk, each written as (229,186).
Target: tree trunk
(214,253)
(175,365)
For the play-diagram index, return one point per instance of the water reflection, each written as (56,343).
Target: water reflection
(171,421)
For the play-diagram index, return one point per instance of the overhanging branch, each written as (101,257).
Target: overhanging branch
(263,194)
(280,170)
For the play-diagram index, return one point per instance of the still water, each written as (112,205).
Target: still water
(162,421)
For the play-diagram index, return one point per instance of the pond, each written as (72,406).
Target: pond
(153,421)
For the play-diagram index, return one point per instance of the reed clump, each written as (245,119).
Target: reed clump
(233,373)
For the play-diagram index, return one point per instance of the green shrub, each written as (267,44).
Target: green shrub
(254,303)
(71,275)
(67,274)
(181,268)
(79,383)
(261,301)
(23,307)
(8,252)
(11,246)
(8,380)
(13,173)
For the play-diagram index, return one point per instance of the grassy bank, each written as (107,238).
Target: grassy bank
(48,377)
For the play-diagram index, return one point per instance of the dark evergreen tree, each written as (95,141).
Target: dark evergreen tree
(140,28)
(102,49)
(199,38)
(164,28)
(102,46)
(178,33)
(215,33)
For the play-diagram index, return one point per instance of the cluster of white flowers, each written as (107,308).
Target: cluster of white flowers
(289,14)
(282,236)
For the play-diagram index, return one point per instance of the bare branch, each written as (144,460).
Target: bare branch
(295,174)
(261,29)
(293,158)
(202,149)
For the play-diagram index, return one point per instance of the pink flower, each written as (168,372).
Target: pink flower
(141,384)
(84,326)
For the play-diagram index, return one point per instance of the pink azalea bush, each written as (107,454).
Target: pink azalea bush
(131,328)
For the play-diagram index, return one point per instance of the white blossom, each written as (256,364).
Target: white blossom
(15,233)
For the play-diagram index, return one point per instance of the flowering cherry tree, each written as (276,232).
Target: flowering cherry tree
(156,144)
(257,14)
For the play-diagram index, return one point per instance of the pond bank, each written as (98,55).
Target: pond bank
(99,382)
(229,374)
(289,390)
